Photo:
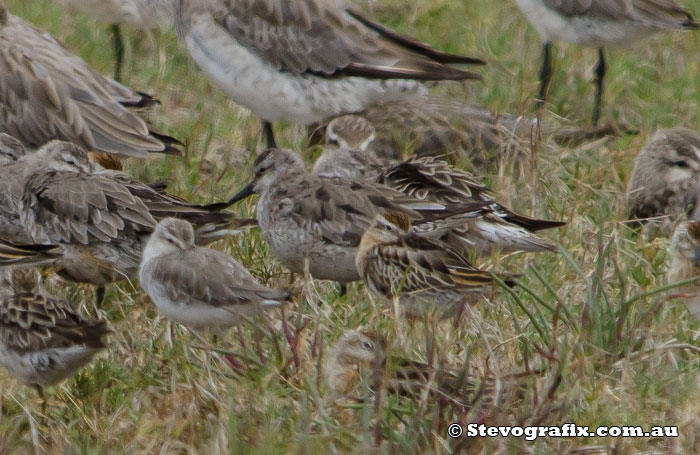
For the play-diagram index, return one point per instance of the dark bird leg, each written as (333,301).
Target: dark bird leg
(545,74)
(40,391)
(118,52)
(269,135)
(600,70)
(100,295)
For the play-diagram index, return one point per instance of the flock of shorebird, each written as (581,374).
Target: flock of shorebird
(408,228)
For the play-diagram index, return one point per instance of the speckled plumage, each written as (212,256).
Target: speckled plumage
(305,217)
(359,359)
(433,179)
(43,340)
(424,274)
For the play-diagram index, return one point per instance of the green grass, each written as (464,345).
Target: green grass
(594,317)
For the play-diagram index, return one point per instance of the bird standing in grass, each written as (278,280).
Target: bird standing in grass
(142,14)
(426,276)
(100,219)
(348,155)
(43,340)
(600,23)
(306,60)
(358,359)
(319,221)
(200,288)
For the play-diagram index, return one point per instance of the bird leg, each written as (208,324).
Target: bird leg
(600,70)
(118,51)
(40,391)
(100,295)
(545,73)
(269,135)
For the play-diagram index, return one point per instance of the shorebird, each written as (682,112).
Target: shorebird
(599,23)
(306,60)
(43,340)
(47,92)
(685,264)
(99,218)
(320,221)
(429,178)
(425,275)
(430,125)
(200,288)
(359,356)
(142,14)
(665,180)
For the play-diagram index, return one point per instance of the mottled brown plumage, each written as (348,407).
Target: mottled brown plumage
(43,340)
(425,275)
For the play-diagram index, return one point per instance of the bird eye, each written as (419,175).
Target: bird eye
(170,241)
(367,345)
(388,227)
(680,163)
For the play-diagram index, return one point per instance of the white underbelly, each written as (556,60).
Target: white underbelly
(581,30)
(275,95)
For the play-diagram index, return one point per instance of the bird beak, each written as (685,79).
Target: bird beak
(696,257)
(244,193)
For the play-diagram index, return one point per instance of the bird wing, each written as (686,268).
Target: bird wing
(210,277)
(47,92)
(71,207)
(416,264)
(329,38)
(35,255)
(659,13)
(30,322)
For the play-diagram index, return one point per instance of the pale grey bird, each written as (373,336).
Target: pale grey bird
(600,23)
(99,219)
(43,340)
(306,60)
(47,92)
(142,14)
(665,180)
(200,288)
(320,221)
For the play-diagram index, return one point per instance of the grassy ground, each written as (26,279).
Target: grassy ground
(593,318)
